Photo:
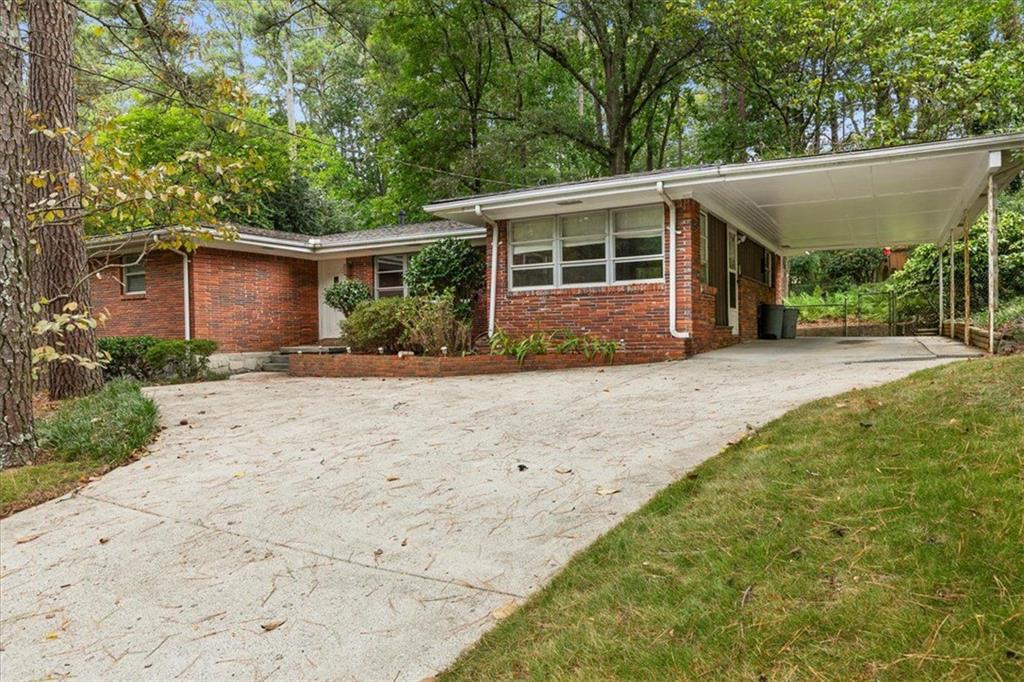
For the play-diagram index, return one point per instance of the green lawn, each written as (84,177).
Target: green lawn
(875,535)
(82,438)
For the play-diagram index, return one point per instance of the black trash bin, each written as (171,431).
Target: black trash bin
(789,320)
(769,321)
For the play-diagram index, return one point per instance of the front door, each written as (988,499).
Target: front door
(330,271)
(732,262)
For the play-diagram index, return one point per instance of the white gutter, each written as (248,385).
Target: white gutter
(493,294)
(186,294)
(641,181)
(676,334)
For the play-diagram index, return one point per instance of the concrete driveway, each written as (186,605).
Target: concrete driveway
(372,529)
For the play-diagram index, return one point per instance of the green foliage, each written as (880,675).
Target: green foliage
(379,325)
(295,205)
(448,265)
(920,275)
(835,270)
(865,303)
(436,327)
(127,356)
(346,294)
(429,325)
(562,341)
(181,360)
(106,426)
(1009,318)
(891,512)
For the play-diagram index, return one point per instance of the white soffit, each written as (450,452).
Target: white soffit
(885,197)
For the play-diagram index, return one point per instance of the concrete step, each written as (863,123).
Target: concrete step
(276,363)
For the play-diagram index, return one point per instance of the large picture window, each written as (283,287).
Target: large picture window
(586,249)
(389,275)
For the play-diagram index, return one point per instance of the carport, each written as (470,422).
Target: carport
(895,196)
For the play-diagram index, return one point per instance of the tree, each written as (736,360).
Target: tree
(17,442)
(625,55)
(60,269)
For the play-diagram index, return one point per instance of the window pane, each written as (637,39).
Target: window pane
(583,274)
(134,284)
(532,230)
(538,277)
(585,224)
(389,279)
(390,293)
(390,263)
(644,269)
(583,249)
(634,219)
(530,254)
(649,245)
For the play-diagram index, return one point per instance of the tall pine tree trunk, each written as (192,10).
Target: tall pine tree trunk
(60,270)
(16,438)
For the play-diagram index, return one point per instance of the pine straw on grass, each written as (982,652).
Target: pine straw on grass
(79,440)
(874,535)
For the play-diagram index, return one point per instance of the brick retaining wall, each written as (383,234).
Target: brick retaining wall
(356,365)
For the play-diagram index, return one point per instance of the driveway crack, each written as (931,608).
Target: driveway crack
(303,550)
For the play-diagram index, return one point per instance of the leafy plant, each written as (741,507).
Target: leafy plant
(379,324)
(126,356)
(346,294)
(181,360)
(562,341)
(435,328)
(448,265)
(107,426)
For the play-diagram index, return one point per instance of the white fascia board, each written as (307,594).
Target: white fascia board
(675,179)
(413,240)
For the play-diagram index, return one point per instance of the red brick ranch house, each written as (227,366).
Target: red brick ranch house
(669,263)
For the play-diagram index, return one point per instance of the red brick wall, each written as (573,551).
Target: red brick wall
(361,268)
(254,302)
(636,314)
(158,312)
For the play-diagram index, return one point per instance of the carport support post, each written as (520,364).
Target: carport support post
(952,286)
(942,286)
(967,284)
(993,264)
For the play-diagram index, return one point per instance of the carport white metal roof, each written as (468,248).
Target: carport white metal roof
(892,196)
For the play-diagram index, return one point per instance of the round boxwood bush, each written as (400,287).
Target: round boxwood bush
(447,265)
(346,294)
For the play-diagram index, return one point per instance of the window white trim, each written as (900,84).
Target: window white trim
(704,248)
(610,260)
(133,267)
(377,288)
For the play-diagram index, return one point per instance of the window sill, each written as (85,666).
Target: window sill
(589,289)
(140,296)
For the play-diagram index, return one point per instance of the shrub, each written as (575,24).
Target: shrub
(127,356)
(434,327)
(346,294)
(448,265)
(379,323)
(562,341)
(106,426)
(181,360)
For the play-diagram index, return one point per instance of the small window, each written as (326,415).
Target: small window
(584,243)
(134,274)
(389,276)
(638,236)
(533,253)
(704,248)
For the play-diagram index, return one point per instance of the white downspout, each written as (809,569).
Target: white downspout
(676,334)
(185,292)
(493,293)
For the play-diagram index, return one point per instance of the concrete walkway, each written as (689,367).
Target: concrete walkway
(371,529)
